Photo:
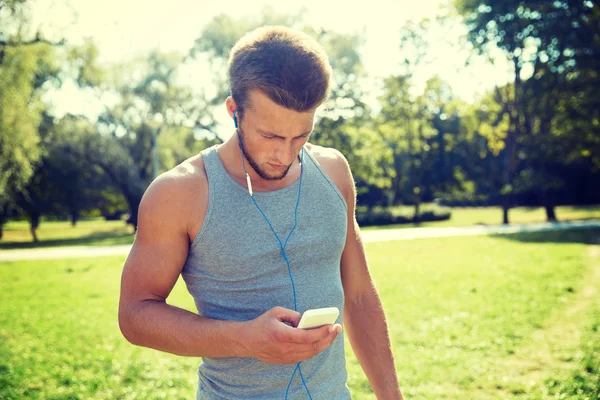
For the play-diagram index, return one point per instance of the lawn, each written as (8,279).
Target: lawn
(90,232)
(100,232)
(466,216)
(513,316)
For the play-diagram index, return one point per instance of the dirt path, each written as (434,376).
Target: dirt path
(368,236)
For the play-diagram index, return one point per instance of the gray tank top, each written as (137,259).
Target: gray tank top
(235,271)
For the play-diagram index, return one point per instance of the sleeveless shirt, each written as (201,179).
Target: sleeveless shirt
(235,271)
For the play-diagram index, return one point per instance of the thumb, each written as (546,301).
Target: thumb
(286,315)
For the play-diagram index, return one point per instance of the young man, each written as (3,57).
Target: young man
(261,228)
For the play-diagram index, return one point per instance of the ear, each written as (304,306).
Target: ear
(231,106)
(232,110)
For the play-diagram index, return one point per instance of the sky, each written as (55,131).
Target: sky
(123,29)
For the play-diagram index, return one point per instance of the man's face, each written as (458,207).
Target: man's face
(272,136)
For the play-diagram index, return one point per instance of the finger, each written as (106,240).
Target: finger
(307,336)
(301,336)
(286,315)
(324,343)
(319,345)
(311,350)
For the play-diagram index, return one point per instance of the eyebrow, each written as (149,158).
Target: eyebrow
(279,136)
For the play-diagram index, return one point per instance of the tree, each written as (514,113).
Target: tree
(42,194)
(150,105)
(539,39)
(345,122)
(485,126)
(404,124)
(444,149)
(26,65)
(79,183)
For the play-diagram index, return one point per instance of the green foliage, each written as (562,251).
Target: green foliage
(82,61)
(422,134)
(150,107)
(26,66)
(517,25)
(549,112)
(531,139)
(382,216)
(20,110)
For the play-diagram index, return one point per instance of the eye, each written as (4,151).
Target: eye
(267,137)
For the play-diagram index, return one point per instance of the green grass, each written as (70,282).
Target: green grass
(92,232)
(493,216)
(100,232)
(470,318)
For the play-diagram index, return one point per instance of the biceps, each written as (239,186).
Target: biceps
(152,269)
(356,278)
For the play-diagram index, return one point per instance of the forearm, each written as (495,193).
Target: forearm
(157,325)
(367,331)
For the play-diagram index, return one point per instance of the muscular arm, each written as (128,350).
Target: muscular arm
(151,271)
(365,322)
(364,318)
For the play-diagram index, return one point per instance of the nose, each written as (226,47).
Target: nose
(285,153)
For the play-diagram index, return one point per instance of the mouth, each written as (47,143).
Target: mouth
(277,166)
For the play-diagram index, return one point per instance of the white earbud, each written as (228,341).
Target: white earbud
(249,184)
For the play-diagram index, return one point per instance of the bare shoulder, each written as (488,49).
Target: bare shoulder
(178,196)
(179,184)
(327,155)
(335,166)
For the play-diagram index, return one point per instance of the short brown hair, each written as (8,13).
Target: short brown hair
(288,66)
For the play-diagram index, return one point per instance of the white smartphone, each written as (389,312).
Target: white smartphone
(318,317)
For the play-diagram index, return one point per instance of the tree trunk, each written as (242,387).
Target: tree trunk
(511,142)
(34,223)
(417,216)
(34,234)
(550,215)
(505,209)
(397,180)
(3,219)
(397,192)
(74,217)
(391,195)
(508,178)
(548,206)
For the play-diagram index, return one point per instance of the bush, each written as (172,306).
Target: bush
(401,214)
(468,200)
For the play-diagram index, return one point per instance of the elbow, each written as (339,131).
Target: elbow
(127,326)
(364,299)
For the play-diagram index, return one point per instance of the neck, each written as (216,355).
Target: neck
(231,156)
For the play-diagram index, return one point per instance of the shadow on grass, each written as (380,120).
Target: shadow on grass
(586,208)
(565,221)
(578,235)
(444,224)
(93,239)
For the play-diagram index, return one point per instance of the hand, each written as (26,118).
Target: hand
(268,337)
